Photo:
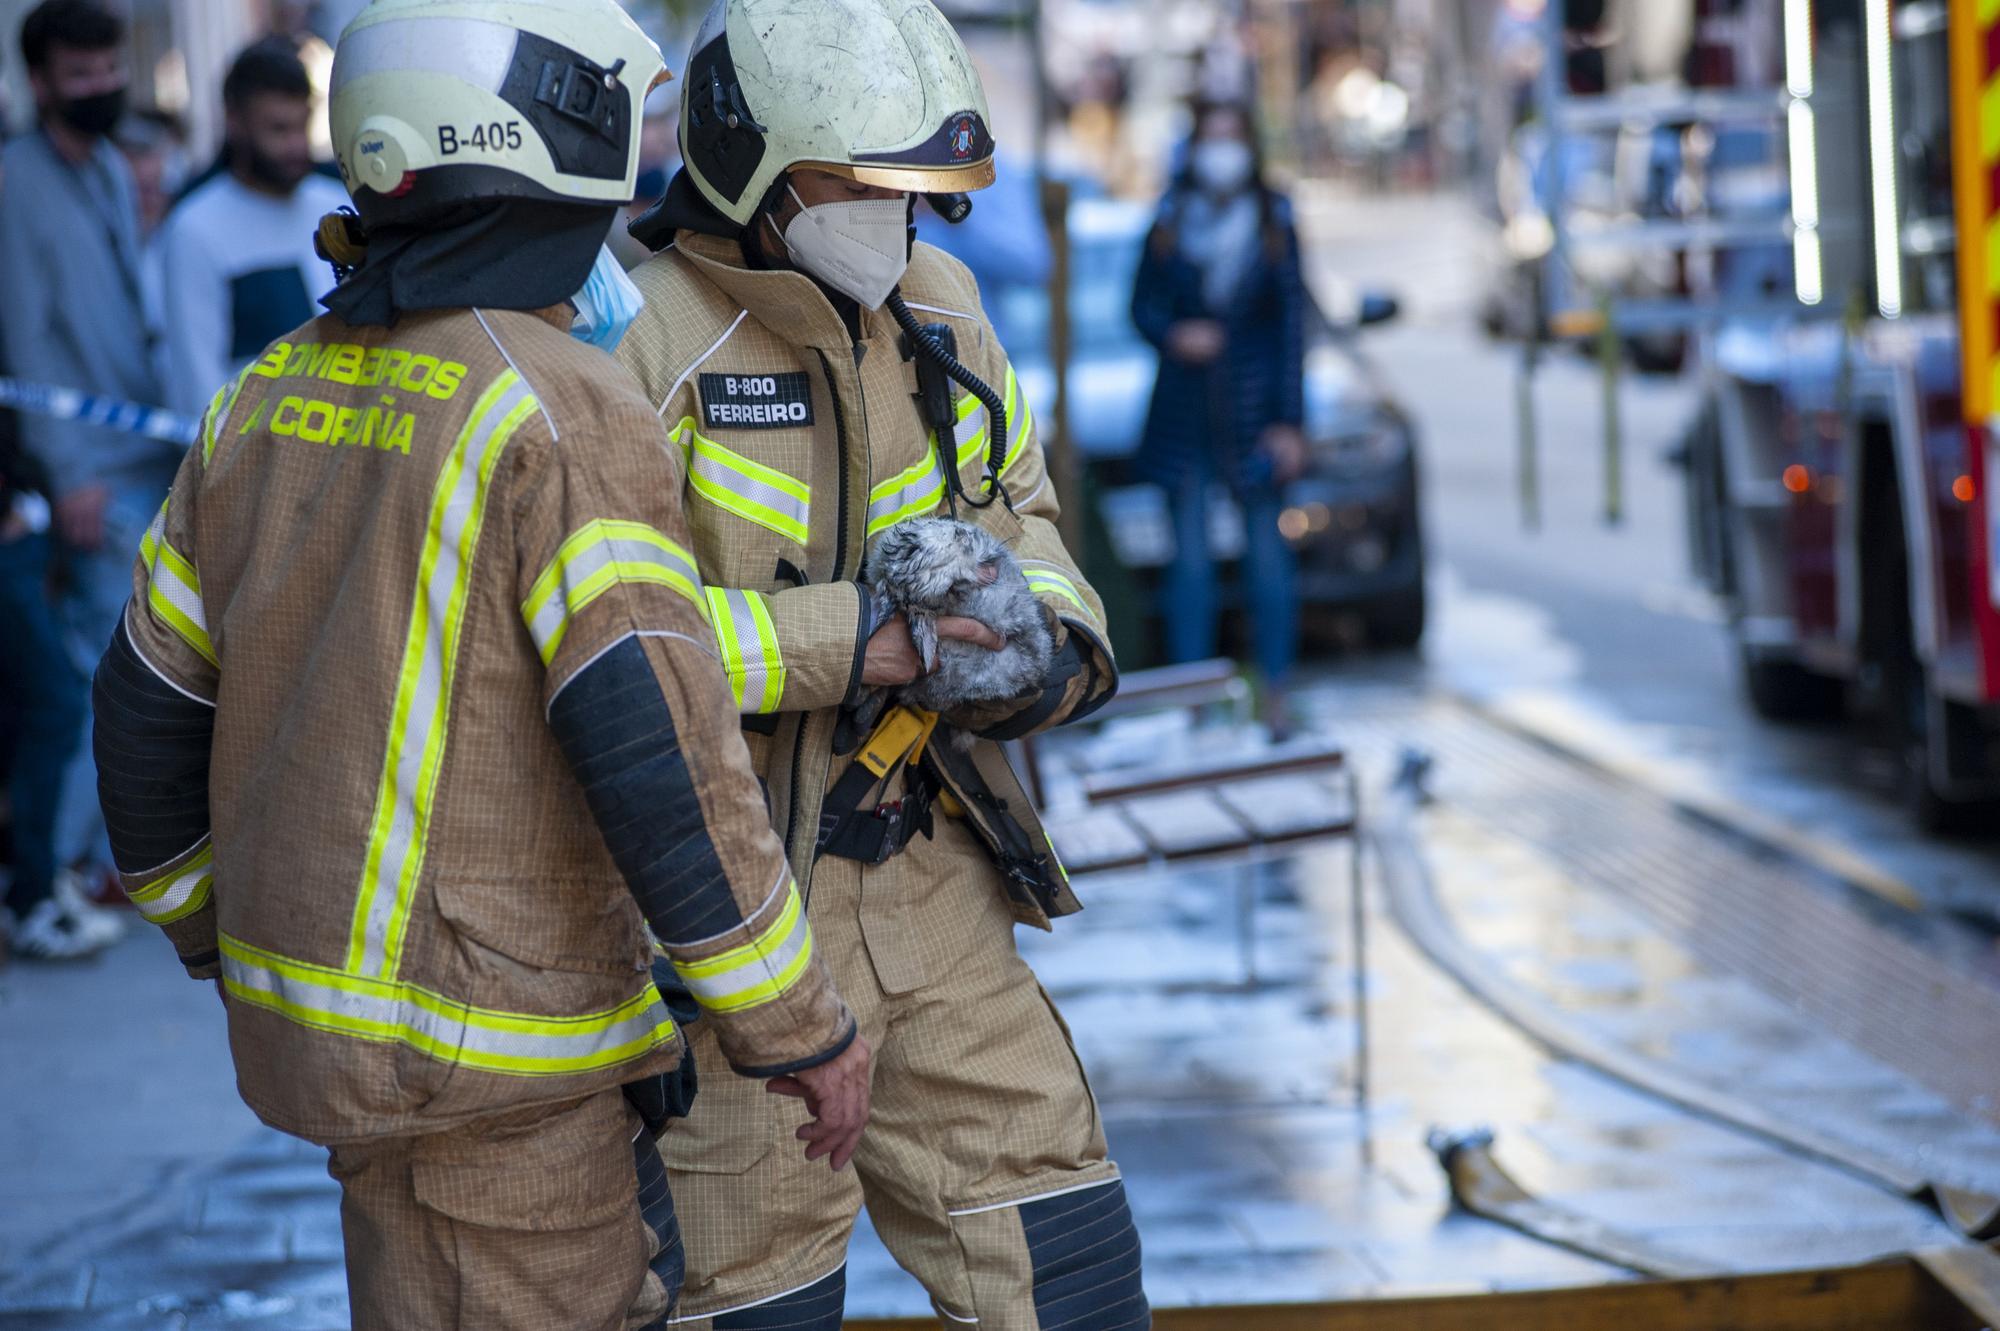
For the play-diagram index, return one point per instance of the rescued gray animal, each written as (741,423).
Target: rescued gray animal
(939,566)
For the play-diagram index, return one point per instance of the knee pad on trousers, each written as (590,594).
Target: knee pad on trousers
(656,1206)
(817,1307)
(1085,1253)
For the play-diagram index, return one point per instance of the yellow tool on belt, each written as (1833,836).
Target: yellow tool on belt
(849,828)
(900,736)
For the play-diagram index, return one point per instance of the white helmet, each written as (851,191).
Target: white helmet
(443,102)
(880,91)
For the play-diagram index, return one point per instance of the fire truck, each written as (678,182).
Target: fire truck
(1844,482)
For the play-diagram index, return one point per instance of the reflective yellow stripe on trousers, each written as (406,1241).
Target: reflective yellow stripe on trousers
(752,491)
(758,971)
(600,555)
(401,820)
(749,644)
(389,1011)
(173,588)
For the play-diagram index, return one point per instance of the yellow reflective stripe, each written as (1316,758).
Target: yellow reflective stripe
(401,821)
(748,641)
(219,408)
(749,489)
(911,493)
(1020,421)
(1046,580)
(971,430)
(173,589)
(597,557)
(758,971)
(177,895)
(392,1011)
(972,447)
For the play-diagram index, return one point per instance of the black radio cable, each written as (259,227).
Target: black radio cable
(927,344)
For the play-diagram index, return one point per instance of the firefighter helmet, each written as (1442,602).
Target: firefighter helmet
(437,103)
(880,91)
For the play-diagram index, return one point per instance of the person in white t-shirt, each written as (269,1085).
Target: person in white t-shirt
(236,261)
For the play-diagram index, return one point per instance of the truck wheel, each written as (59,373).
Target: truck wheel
(1930,809)
(1787,691)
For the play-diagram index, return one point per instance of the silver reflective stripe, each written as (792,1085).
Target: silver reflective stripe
(796,513)
(756,972)
(441,1027)
(748,643)
(180,894)
(970,435)
(415,750)
(568,598)
(1047,579)
(910,495)
(719,990)
(182,595)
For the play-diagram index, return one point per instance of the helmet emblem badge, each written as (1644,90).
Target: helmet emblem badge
(961,138)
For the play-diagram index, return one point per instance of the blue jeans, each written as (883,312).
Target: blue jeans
(42,685)
(100,582)
(1268,577)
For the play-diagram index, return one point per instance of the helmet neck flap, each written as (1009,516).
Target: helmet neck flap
(510,254)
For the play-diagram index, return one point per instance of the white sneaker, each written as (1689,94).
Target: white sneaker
(95,921)
(50,933)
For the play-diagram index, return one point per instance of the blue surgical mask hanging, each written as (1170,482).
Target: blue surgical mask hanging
(607,304)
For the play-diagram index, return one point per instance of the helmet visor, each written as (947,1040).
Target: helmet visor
(912,179)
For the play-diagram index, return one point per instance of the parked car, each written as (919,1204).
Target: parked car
(1353,517)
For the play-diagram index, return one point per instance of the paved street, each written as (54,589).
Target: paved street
(135,1190)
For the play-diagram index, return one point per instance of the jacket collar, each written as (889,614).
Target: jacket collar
(788,303)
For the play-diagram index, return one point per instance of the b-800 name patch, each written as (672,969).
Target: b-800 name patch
(756,401)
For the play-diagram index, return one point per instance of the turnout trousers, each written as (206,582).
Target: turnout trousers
(983,1167)
(551,1218)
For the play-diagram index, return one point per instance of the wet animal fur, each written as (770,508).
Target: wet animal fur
(938,566)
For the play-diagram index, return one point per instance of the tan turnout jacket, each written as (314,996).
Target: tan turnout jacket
(799,446)
(389,552)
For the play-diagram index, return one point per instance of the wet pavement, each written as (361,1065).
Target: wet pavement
(1231,1106)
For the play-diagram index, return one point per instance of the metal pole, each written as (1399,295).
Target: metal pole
(1064,471)
(1524,431)
(1053,194)
(1357,902)
(1246,921)
(1609,363)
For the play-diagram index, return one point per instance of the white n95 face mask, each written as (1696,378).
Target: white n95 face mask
(859,247)
(1221,166)
(607,303)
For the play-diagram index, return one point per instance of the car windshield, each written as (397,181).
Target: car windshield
(1100,311)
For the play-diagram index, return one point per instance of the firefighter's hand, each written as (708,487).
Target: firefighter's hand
(891,658)
(80,516)
(960,629)
(1195,341)
(836,1095)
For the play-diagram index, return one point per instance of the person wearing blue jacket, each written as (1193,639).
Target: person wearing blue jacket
(1219,291)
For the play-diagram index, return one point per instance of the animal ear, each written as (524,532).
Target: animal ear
(989,573)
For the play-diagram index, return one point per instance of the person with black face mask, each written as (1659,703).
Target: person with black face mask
(72,315)
(236,260)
